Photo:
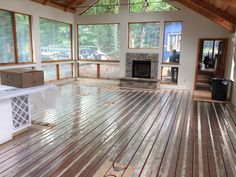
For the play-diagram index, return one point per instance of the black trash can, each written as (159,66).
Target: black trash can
(219,89)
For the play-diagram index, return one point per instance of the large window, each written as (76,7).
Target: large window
(138,6)
(99,42)
(15,38)
(144,35)
(103,7)
(172,41)
(56,40)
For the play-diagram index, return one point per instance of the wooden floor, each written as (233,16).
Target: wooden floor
(111,132)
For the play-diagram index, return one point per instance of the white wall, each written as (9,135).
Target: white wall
(194,27)
(36,10)
(233,42)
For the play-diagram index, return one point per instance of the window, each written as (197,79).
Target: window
(88,70)
(138,6)
(103,7)
(169,75)
(144,35)
(172,41)
(50,72)
(109,71)
(15,38)
(99,42)
(23,38)
(56,40)
(65,70)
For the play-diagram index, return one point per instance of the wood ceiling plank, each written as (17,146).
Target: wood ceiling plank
(73,2)
(208,14)
(45,2)
(215,10)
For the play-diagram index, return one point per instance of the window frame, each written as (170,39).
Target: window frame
(129,23)
(94,61)
(16,59)
(71,41)
(163,48)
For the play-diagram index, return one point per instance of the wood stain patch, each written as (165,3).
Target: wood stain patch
(42,125)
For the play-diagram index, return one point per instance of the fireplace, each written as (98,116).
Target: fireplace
(141,69)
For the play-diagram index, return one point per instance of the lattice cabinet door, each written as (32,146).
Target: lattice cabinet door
(20,112)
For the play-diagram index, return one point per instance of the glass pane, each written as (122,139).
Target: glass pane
(207,49)
(109,71)
(172,41)
(144,35)
(7,54)
(23,38)
(55,38)
(103,7)
(88,70)
(99,42)
(169,75)
(138,6)
(65,71)
(50,72)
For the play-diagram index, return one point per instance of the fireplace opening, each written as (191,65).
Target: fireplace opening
(141,69)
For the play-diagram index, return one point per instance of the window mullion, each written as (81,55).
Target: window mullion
(15,36)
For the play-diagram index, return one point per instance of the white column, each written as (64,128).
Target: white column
(123,14)
(36,41)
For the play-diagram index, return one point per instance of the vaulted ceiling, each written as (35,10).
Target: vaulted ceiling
(222,12)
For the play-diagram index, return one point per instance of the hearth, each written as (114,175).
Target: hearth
(141,69)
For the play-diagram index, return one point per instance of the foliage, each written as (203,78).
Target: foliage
(7,54)
(144,35)
(138,6)
(54,33)
(23,38)
(103,7)
(104,38)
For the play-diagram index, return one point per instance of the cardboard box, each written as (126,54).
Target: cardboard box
(22,78)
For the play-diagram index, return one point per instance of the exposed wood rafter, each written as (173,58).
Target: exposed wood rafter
(71,3)
(45,2)
(218,16)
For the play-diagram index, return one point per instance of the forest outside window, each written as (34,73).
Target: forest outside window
(172,41)
(104,7)
(15,38)
(139,6)
(144,35)
(56,40)
(99,42)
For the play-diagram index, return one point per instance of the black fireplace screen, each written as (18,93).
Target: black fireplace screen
(141,69)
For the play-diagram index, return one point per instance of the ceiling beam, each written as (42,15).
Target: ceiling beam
(208,14)
(58,6)
(71,3)
(215,10)
(86,5)
(45,2)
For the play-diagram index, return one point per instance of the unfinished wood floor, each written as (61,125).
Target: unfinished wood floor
(119,132)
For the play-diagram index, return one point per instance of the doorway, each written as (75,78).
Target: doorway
(210,63)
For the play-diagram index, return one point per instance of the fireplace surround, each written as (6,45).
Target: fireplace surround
(141,70)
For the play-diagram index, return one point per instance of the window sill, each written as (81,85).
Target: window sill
(168,83)
(58,61)
(99,61)
(170,63)
(16,64)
